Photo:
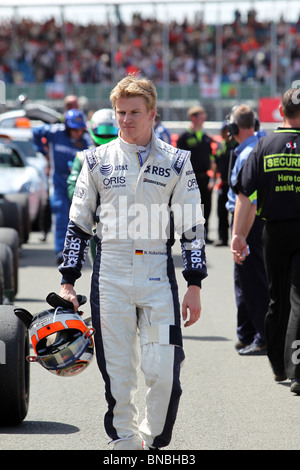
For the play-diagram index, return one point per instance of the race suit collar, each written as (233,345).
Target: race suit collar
(134,148)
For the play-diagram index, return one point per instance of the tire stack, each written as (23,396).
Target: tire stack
(14,340)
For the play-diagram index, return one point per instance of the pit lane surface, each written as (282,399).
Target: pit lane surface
(228,403)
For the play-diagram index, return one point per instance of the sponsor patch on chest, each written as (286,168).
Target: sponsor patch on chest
(91,159)
(180,161)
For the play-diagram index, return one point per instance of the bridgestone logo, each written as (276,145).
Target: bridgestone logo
(2,353)
(158,183)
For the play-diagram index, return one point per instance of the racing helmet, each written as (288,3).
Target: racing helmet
(103,126)
(75,119)
(62,341)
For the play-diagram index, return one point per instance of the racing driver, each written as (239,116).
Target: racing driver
(142,192)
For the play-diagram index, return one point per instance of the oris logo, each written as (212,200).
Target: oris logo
(114,180)
(106,170)
(191,183)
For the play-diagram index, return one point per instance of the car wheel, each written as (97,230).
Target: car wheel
(10,237)
(1,284)
(14,368)
(23,203)
(12,216)
(6,259)
(1,218)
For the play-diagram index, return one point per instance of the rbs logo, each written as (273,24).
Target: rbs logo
(155,170)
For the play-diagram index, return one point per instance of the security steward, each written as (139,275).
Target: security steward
(199,144)
(272,171)
(250,279)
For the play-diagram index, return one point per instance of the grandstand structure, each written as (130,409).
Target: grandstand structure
(282,44)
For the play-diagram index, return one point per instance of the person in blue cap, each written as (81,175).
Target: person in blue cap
(103,128)
(60,143)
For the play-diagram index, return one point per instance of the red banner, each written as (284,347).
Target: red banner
(268,110)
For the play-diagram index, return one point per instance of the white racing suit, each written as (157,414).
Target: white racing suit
(134,290)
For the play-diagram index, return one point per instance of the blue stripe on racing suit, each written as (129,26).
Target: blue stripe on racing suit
(75,251)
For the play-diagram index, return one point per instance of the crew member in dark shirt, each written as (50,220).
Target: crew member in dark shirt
(199,144)
(225,158)
(272,172)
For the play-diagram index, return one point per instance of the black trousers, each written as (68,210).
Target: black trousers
(223,215)
(252,290)
(281,243)
(206,196)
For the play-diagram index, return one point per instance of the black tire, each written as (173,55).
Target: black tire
(1,218)
(10,237)
(6,259)
(23,202)
(12,216)
(14,368)
(1,284)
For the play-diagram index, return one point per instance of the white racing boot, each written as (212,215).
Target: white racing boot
(130,443)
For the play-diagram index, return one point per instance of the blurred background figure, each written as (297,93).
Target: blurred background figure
(225,158)
(161,131)
(63,142)
(250,279)
(103,128)
(199,143)
(71,102)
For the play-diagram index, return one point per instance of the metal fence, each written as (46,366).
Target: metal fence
(173,100)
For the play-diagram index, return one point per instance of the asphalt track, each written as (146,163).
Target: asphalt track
(228,403)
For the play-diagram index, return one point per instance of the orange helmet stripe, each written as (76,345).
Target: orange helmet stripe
(77,325)
(49,329)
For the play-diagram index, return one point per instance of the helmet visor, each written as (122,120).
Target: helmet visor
(105,130)
(103,133)
(69,358)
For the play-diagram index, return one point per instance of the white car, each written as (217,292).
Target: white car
(17,176)
(17,126)
(35,113)
(23,138)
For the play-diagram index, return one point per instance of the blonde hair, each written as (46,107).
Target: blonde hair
(132,86)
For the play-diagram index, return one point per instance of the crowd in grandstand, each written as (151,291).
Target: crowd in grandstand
(47,52)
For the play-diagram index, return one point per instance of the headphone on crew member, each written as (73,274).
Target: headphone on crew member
(233,128)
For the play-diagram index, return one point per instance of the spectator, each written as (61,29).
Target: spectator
(34,51)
